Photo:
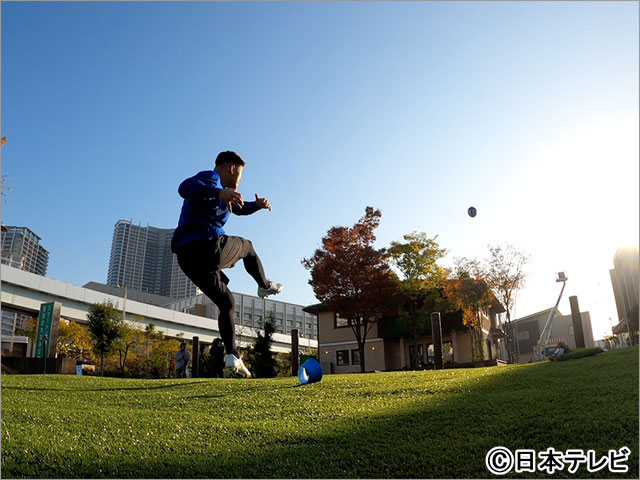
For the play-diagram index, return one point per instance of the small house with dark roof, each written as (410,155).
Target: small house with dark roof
(390,345)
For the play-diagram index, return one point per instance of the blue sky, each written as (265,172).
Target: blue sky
(526,110)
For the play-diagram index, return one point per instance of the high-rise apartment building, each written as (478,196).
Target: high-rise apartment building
(141,259)
(624,278)
(21,249)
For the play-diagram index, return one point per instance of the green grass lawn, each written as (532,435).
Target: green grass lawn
(428,424)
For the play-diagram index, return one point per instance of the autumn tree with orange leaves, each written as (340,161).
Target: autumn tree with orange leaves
(467,289)
(353,278)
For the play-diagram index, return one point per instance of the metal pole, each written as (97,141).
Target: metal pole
(295,357)
(576,319)
(436,336)
(195,357)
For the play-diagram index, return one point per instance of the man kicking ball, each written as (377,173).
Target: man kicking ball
(204,250)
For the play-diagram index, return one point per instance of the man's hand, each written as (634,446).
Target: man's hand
(262,202)
(231,197)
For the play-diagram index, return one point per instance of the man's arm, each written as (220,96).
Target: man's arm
(203,185)
(247,209)
(252,207)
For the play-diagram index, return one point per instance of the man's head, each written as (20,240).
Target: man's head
(229,166)
(183,346)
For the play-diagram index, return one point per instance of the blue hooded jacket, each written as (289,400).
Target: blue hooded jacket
(203,215)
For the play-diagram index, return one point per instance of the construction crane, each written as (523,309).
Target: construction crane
(538,350)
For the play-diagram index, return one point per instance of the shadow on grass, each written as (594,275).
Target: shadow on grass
(235,391)
(246,388)
(103,389)
(563,406)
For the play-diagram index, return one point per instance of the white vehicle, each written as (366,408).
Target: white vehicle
(553,350)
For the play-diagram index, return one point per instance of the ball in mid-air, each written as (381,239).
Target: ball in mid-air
(472,211)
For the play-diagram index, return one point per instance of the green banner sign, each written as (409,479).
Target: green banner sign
(44,328)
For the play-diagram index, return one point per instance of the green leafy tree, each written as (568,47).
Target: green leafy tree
(505,275)
(104,327)
(353,278)
(283,364)
(421,278)
(151,337)
(260,356)
(73,341)
(161,357)
(30,328)
(611,342)
(130,336)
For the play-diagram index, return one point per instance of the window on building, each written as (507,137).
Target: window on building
(269,306)
(355,357)
(339,322)
(342,357)
(523,335)
(431,354)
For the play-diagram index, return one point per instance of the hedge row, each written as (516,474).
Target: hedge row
(583,352)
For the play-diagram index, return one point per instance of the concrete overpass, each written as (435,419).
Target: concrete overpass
(24,292)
